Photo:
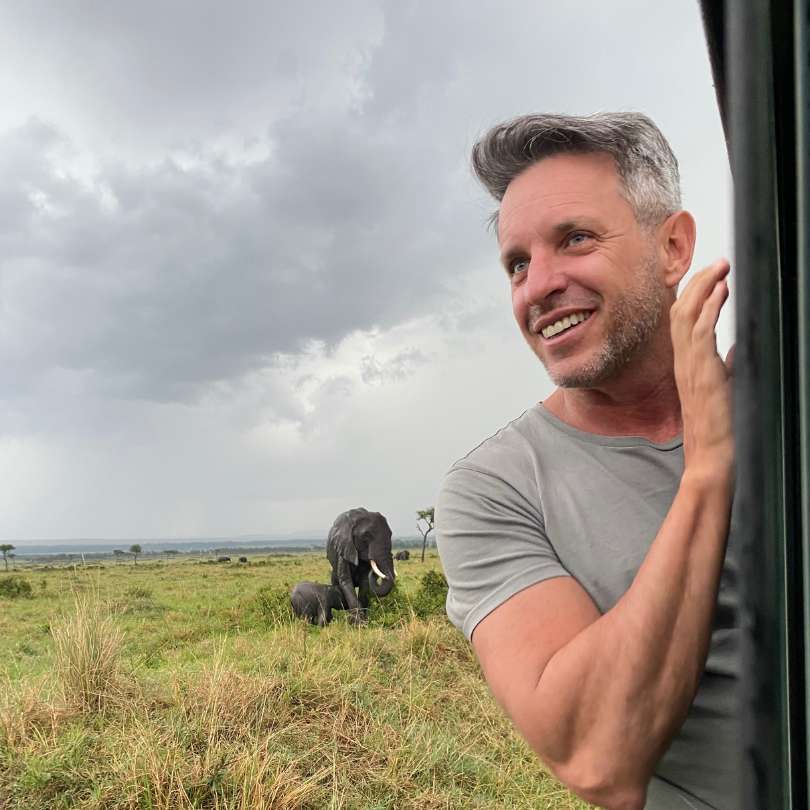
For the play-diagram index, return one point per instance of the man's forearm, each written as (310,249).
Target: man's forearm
(614,696)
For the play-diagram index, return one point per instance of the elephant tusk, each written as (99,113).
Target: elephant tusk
(376,570)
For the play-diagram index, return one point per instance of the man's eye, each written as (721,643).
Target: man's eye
(518,266)
(578,238)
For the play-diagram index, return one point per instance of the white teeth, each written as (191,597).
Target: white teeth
(564,323)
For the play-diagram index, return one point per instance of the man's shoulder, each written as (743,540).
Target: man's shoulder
(490,529)
(517,443)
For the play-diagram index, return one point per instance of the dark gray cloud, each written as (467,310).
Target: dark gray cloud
(179,262)
(157,74)
(160,280)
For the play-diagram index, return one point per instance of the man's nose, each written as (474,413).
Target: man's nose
(543,278)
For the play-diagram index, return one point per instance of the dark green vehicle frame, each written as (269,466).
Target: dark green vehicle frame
(760,57)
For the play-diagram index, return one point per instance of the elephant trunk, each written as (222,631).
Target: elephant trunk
(381,580)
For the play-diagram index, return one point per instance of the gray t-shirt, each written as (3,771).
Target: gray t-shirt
(541,499)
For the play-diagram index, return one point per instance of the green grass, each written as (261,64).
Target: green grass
(180,684)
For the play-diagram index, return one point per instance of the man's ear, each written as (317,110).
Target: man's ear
(677,240)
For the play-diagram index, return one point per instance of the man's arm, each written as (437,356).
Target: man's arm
(599,697)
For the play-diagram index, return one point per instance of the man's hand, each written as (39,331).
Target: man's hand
(703,379)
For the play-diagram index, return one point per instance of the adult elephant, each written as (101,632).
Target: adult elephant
(359,551)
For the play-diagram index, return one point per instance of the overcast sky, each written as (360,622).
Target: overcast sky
(245,276)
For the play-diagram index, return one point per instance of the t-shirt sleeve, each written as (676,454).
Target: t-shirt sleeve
(492,542)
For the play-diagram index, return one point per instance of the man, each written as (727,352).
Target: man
(585,542)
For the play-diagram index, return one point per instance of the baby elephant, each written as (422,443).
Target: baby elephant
(315,602)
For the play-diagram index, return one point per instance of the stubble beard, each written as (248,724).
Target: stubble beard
(634,321)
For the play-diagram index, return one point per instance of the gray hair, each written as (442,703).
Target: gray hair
(645,163)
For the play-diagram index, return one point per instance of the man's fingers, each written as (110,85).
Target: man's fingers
(689,306)
(707,320)
(690,302)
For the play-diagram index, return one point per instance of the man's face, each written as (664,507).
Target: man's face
(587,290)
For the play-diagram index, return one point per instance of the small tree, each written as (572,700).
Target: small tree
(425,516)
(5,548)
(136,550)
(119,553)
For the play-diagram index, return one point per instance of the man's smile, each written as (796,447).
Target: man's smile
(560,325)
(564,325)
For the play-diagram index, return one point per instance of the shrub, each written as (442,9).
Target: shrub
(432,594)
(273,603)
(398,607)
(87,650)
(16,588)
(391,610)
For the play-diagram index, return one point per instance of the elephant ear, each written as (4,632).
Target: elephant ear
(382,532)
(379,547)
(343,537)
(382,525)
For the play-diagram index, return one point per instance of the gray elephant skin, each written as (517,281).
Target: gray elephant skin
(359,551)
(403,555)
(315,602)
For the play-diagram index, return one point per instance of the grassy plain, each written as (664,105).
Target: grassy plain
(183,684)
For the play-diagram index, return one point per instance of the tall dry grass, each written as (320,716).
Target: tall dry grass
(28,715)
(215,705)
(87,654)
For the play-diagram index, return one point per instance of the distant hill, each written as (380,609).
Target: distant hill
(187,546)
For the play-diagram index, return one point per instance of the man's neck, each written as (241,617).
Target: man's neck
(647,406)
